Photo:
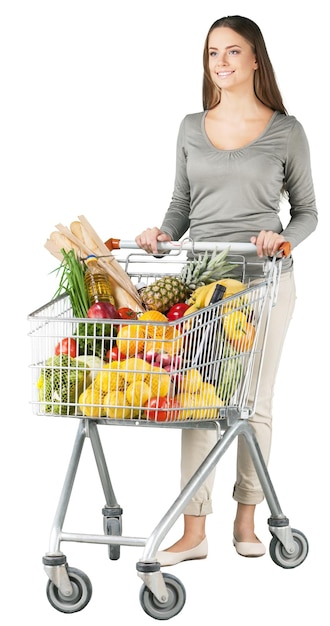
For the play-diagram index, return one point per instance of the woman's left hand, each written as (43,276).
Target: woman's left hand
(267,243)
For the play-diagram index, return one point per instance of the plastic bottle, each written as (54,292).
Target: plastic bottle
(97,282)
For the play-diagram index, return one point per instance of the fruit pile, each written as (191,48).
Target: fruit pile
(135,387)
(148,374)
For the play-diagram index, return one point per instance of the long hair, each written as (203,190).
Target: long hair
(265,85)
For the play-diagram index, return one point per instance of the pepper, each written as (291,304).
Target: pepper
(177,311)
(239,331)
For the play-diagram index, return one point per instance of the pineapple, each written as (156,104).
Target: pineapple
(169,290)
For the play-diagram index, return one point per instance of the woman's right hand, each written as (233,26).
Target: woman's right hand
(149,239)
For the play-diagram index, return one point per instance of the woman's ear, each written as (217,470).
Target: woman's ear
(256,64)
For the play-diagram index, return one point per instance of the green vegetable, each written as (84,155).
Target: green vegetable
(72,283)
(95,338)
(60,384)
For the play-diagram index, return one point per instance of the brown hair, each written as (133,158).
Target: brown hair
(265,85)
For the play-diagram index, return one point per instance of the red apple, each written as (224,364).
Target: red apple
(103,310)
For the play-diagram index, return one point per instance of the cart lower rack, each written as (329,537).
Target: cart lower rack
(201,371)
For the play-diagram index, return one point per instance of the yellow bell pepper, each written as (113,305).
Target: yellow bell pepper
(239,331)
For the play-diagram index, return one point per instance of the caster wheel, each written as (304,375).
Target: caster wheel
(81,593)
(174,604)
(283,558)
(113,527)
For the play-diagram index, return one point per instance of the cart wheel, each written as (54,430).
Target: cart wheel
(81,593)
(283,558)
(174,604)
(113,527)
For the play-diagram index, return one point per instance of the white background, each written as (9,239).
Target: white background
(92,97)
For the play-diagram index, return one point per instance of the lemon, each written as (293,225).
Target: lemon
(206,403)
(186,401)
(115,408)
(191,381)
(134,369)
(137,393)
(91,402)
(159,381)
(110,378)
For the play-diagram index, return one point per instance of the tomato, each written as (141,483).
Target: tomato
(162,409)
(177,310)
(114,355)
(127,314)
(68,346)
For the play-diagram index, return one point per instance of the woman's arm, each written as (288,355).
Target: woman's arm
(300,189)
(177,218)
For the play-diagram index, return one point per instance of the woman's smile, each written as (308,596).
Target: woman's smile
(225,74)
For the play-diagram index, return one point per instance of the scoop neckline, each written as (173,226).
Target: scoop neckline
(247,145)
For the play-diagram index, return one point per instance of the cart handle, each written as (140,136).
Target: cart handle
(196,246)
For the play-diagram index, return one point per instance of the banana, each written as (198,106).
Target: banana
(188,324)
(197,296)
(192,309)
(201,297)
(203,294)
(200,300)
(208,295)
(232,285)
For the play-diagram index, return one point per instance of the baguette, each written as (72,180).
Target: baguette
(83,239)
(61,241)
(53,248)
(80,232)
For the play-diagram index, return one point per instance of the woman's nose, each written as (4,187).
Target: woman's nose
(222,59)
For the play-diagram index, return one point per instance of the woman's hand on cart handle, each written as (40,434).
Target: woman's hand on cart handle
(151,239)
(271,244)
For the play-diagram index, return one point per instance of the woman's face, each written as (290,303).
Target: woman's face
(232,62)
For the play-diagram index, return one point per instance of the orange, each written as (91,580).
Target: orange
(130,339)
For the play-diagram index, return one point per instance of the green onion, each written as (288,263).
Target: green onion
(72,283)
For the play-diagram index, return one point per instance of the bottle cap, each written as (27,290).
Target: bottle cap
(91,257)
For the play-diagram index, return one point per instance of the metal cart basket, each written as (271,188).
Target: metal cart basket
(201,371)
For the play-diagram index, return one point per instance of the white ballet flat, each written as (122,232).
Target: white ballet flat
(248,548)
(166,558)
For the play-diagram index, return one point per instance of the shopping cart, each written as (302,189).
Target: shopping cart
(209,381)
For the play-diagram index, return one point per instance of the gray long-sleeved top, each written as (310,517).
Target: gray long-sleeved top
(231,195)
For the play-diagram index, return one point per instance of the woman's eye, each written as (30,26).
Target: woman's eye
(233,52)
(213,53)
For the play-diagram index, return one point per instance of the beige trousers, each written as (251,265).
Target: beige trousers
(196,443)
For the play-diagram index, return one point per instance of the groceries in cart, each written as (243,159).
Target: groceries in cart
(177,349)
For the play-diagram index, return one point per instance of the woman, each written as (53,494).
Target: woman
(235,161)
